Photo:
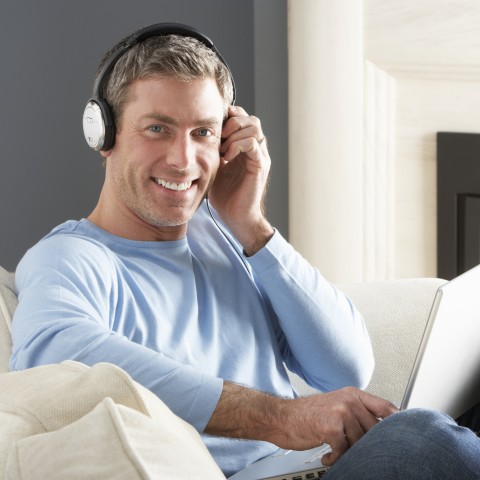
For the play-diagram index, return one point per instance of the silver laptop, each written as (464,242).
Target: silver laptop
(446,372)
(286,465)
(445,375)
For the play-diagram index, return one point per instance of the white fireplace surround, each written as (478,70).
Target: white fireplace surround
(370,84)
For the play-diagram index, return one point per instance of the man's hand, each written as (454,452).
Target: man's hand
(239,188)
(339,418)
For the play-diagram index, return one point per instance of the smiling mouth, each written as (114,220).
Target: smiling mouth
(178,187)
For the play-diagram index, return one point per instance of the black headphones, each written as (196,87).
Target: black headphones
(98,121)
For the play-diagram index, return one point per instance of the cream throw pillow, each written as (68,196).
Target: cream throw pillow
(8,303)
(71,421)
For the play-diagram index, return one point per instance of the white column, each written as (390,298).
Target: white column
(326,135)
(379,174)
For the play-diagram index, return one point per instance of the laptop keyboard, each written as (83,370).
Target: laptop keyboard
(306,475)
(318,454)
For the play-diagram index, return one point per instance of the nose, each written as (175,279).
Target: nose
(181,152)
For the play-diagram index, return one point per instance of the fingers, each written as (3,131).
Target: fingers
(362,420)
(341,441)
(344,416)
(338,449)
(247,145)
(238,119)
(363,411)
(353,431)
(241,134)
(379,407)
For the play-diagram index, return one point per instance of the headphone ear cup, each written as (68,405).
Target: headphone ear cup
(98,125)
(98,122)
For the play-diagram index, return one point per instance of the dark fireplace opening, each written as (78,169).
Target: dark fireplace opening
(458,203)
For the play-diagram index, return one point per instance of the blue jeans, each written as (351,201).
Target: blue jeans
(414,444)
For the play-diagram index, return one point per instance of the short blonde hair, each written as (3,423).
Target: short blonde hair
(184,58)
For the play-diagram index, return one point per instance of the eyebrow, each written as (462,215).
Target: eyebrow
(209,121)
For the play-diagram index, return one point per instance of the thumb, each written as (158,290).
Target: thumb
(377,406)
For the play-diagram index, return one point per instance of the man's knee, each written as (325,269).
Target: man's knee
(417,421)
(432,439)
(415,431)
(412,444)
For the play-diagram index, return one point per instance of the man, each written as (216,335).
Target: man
(201,305)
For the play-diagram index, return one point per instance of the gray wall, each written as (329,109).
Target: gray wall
(50,50)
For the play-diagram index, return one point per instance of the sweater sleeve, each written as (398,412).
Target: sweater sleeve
(66,295)
(323,337)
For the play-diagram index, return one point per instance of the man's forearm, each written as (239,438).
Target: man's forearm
(255,238)
(245,413)
(338,418)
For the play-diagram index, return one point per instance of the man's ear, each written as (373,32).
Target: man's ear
(105,153)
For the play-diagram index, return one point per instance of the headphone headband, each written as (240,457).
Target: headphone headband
(98,122)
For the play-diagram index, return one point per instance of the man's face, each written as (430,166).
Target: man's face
(165,156)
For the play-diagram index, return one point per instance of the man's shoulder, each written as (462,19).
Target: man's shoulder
(68,243)
(80,230)
(67,257)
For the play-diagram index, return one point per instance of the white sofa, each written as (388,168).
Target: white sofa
(71,421)
(395,313)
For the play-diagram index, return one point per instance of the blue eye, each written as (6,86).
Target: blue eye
(204,132)
(156,128)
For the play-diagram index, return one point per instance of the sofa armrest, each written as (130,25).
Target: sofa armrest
(8,303)
(395,312)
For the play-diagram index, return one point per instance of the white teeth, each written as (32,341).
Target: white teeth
(174,186)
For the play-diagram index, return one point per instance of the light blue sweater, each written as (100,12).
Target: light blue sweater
(180,317)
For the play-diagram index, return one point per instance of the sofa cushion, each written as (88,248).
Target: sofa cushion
(54,415)
(111,442)
(68,452)
(395,313)
(8,303)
